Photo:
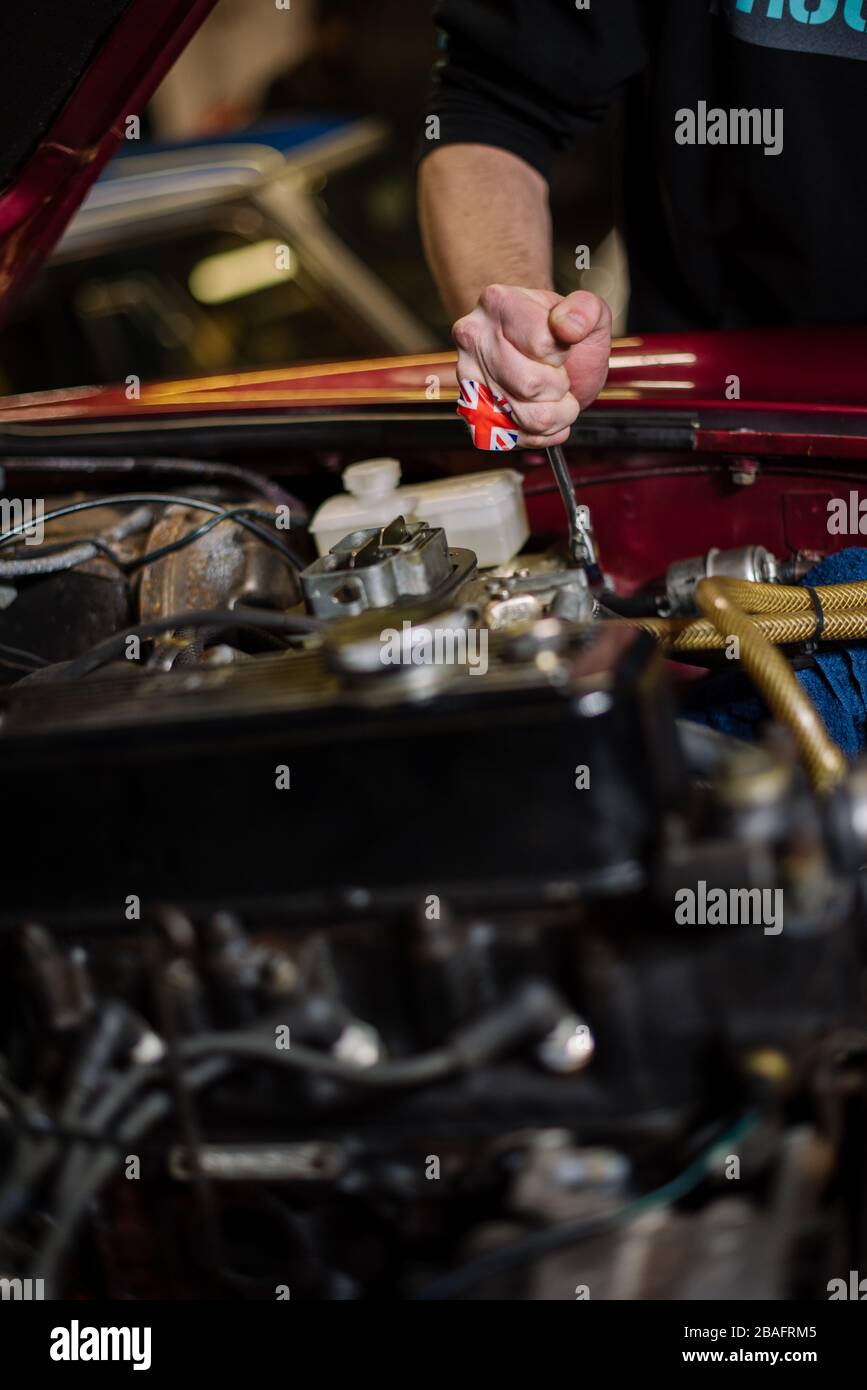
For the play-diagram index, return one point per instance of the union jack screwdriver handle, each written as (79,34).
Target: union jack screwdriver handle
(492,428)
(488,417)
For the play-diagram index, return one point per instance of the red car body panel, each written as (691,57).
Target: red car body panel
(802,411)
(789,391)
(651,509)
(36,207)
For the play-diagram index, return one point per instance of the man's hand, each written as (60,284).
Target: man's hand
(546,354)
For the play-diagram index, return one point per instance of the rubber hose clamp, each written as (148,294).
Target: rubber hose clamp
(820,615)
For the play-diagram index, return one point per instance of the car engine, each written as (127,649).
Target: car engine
(381,925)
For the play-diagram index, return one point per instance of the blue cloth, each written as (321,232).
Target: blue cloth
(838,684)
(286,136)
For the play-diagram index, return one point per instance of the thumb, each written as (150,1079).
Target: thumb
(577,316)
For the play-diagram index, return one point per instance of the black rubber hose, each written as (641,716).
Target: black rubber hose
(636,606)
(114,647)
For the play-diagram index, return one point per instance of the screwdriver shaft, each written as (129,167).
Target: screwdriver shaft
(582,549)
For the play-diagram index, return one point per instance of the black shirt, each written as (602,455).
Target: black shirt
(719,234)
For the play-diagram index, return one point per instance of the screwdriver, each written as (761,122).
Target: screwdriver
(582,545)
(489,418)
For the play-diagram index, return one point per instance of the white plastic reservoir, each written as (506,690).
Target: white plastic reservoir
(484,512)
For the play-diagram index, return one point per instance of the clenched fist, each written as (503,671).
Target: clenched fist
(546,354)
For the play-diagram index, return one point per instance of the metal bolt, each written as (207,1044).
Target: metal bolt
(744,472)
(595,703)
(359,1045)
(568,1048)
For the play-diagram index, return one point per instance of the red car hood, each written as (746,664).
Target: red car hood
(121,73)
(781,390)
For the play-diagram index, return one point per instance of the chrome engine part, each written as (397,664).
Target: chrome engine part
(379,566)
(751,562)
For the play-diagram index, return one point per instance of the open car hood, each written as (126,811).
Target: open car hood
(71,75)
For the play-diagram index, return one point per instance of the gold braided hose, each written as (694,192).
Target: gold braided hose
(760,615)
(792,598)
(700,635)
(774,677)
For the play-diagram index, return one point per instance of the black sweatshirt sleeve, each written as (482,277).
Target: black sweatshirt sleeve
(527,75)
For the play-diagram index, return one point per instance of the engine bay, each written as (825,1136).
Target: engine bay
(382,923)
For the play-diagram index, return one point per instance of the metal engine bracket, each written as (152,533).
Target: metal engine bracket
(376,567)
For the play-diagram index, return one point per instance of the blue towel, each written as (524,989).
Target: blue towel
(837,685)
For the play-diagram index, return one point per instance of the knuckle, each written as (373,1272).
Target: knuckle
(540,419)
(466,332)
(532,385)
(547,418)
(544,441)
(539,344)
(493,298)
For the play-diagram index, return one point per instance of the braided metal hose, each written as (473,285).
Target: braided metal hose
(700,634)
(774,677)
(793,598)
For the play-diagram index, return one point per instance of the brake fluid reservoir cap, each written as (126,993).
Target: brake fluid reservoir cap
(373,478)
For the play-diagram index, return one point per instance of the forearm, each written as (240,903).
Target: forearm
(485,220)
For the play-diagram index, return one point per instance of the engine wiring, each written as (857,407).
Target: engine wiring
(206,1058)
(209,470)
(245,516)
(568,1233)
(232,514)
(56,558)
(83,1181)
(67,557)
(26,661)
(114,647)
(40,1124)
